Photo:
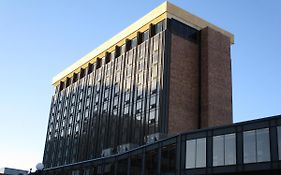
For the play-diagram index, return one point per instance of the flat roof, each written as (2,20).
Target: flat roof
(165,10)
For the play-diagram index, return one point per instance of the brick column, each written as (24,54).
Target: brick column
(216,87)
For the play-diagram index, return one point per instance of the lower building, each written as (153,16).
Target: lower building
(12,171)
(252,147)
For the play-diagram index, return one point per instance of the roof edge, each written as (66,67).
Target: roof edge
(165,10)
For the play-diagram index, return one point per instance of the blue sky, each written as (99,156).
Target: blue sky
(38,39)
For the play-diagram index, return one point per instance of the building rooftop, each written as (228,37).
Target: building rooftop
(12,171)
(165,10)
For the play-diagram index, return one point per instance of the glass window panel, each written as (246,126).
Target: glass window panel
(168,159)
(117,77)
(127,96)
(230,149)
(126,110)
(155,57)
(136,165)
(151,160)
(88,102)
(123,48)
(115,112)
(155,44)
(263,146)
(116,87)
(140,78)
(218,150)
(97,98)
(190,154)
(154,71)
(145,35)
(106,93)
(201,153)
(153,100)
(139,105)
(129,71)
(249,146)
(95,108)
(115,101)
(141,65)
(152,115)
(153,85)
(140,91)
(279,141)
(108,169)
(128,84)
(134,42)
(105,106)
(98,87)
(86,113)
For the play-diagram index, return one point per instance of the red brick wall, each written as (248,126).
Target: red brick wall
(216,88)
(184,86)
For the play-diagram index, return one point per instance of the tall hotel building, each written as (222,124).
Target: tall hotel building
(167,73)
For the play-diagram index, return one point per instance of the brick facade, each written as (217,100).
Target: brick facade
(200,82)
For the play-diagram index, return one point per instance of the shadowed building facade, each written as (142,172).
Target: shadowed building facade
(168,73)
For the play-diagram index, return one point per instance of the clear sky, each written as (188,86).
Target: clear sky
(38,39)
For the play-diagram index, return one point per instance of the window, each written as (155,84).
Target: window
(159,27)
(95,108)
(145,35)
(117,77)
(279,141)
(195,153)
(97,98)
(86,113)
(79,106)
(88,102)
(224,150)
(77,128)
(153,86)
(127,96)
(130,57)
(105,106)
(139,104)
(140,78)
(154,71)
(256,146)
(141,51)
(116,88)
(119,64)
(151,161)
(136,164)
(168,159)
(126,110)
(129,71)
(122,167)
(140,91)
(115,102)
(153,100)
(89,91)
(128,84)
(141,65)
(98,87)
(81,95)
(134,42)
(78,117)
(152,118)
(106,94)
(155,44)
(155,57)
